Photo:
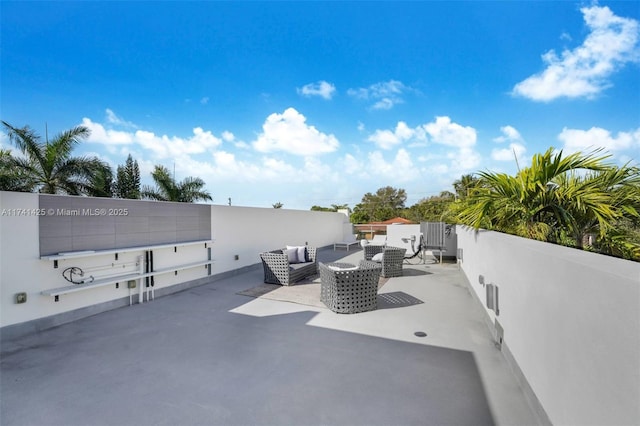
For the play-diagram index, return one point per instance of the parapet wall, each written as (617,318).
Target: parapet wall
(192,244)
(571,321)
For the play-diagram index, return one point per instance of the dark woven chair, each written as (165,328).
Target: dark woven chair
(371,250)
(392,259)
(350,291)
(278,270)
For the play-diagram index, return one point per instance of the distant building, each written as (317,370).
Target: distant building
(368,230)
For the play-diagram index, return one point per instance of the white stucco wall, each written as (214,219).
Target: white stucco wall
(571,320)
(248,231)
(395,234)
(241,231)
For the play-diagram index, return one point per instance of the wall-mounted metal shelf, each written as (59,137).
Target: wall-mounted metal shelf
(124,278)
(89,253)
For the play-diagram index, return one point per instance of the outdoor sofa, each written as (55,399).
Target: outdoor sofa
(280,267)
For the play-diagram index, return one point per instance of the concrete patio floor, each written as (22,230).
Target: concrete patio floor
(208,356)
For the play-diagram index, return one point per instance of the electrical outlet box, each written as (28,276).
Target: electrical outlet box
(131,284)
(499,334)
(21,297)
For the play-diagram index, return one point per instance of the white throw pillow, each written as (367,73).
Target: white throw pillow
(378,257)
(301,253)
(292,254)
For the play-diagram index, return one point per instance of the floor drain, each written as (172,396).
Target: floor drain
(420,334)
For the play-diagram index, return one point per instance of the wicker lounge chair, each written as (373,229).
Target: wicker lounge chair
(278,270)
(380,240)
(350,291)
(392,259)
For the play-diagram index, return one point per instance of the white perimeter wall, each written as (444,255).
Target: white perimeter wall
(248,231)
(571,320)
(241,231)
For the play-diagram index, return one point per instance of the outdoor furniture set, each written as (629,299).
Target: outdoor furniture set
(345,288)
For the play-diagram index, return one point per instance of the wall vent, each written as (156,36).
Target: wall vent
(492,298)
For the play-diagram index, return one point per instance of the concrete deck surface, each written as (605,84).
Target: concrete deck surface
(208,356)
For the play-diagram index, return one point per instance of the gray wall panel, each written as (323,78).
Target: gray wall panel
(93,242)
(166,237)
(86,223)
(55,245)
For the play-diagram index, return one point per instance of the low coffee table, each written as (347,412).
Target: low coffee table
(341,265)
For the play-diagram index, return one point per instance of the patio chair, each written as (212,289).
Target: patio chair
(380,240)
(349,291)
(391,260)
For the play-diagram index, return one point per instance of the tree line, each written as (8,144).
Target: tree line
(579,200)
(49,167)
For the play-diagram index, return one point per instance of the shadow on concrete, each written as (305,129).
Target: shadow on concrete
(397,299)
(414,272)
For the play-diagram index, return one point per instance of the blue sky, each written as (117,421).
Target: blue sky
(317,103)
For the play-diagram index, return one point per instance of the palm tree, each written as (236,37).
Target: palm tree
(48,166)
(465,185)
(600,202)
(549,197)
(102,182)
(11,178)
(167,189)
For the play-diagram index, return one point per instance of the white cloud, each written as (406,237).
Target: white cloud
(107,136)
(112,118)
(464,160)
(516,145)
(585,140)
(400,169)
(289,132)
(352,166)
(321,88)
(317,171)
(386,139)
(161,146)
(460,140)
(227,136)
(507,154)
(385,94)
(274,168)
(443,131)
(585,70)
(227,166)
(204,100)
(509,134)
(386,103)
